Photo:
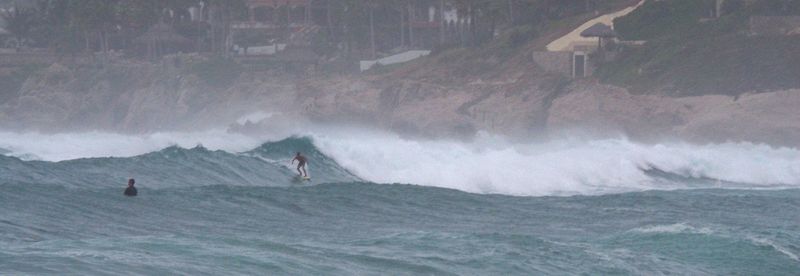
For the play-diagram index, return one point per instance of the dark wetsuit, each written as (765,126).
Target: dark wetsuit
(131,191)
(301,163)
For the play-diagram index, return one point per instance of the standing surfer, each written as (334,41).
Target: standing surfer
(131,191)
(301,164)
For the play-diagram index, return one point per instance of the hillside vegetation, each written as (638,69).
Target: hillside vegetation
(507,53)
(689,54)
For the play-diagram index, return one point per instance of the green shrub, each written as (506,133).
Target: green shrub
(688,56)
(521,35)
(217,71)
(11,83)
(661,18)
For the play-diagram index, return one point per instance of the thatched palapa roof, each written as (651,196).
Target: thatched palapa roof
(599,30)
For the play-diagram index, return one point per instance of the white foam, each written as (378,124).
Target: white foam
(488,165)
(254,118)
(563,167)
(776,247)
(674,229)
(66,146)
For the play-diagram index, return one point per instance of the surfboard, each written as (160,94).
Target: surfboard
(300,179)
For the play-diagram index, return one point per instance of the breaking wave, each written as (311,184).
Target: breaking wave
(489,164)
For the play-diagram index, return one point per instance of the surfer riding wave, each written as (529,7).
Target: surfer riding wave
(301,164)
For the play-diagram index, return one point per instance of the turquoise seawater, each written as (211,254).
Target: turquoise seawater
(212,212)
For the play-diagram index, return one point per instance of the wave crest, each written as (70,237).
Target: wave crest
(488,165)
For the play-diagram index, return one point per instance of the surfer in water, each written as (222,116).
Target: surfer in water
(131,191)
(301,164)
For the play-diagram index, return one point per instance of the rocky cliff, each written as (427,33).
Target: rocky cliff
(521,101)
(550,106)
(134,98)
(770,117)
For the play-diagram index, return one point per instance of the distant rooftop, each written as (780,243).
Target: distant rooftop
(599,30)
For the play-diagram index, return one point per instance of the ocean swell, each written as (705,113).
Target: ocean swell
(487,165)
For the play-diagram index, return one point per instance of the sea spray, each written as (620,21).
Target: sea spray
(488,164)
(205,210)
(562,167)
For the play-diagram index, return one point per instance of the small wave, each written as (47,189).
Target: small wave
(684,228)
(771,244)
(178,167)
(676,228)
(69,146)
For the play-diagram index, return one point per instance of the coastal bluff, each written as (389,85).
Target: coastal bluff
(143,98)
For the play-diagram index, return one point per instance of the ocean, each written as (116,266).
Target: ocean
(383,205)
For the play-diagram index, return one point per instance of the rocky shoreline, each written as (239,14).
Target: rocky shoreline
(141,98)
(583,107)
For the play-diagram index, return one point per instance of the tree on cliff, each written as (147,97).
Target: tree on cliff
(95,19)
(19,22)
(353,26)
(221,14)
(53,29)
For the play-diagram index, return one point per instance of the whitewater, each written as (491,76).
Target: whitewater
(216,202)
(487,165)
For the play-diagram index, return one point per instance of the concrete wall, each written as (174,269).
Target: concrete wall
(555,62)
(398,58)
(562,62)
(261,50)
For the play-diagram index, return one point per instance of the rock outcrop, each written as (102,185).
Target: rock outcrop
(512,107)
(550,106)
(136,98)
(770,117)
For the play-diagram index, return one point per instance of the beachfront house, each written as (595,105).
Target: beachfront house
(274,24)
(424,25)
(570,54)
(161,39)
(574,58)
